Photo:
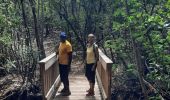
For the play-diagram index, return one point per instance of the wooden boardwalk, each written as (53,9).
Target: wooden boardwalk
(50,81)
(78,87)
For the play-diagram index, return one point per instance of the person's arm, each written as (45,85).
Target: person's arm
(69,51)
(85,56)
(56,49)
(96,58)
(69,58)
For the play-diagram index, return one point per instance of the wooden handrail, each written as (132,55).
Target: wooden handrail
(103,73)
(49,76)
(50,81)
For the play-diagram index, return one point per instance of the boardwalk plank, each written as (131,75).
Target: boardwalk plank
(78,87)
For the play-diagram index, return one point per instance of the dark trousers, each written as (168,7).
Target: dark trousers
(64,71)
(89,73)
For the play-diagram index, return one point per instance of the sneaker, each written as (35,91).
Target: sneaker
(66,93)
(63,90)
(90,93)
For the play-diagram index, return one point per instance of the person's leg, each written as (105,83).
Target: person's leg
(61,70)
(91,90)
(91,81)
(89,87)
(66,81)
(87,74)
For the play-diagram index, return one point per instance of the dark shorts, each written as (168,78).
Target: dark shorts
(89,73)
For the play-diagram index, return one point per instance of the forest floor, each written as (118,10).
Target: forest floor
(8,83)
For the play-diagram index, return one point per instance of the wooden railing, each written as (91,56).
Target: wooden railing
(50,81)
(49,76)
(103,73)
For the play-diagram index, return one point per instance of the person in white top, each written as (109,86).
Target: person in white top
(92,56)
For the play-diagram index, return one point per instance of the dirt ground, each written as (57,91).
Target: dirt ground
(8,83)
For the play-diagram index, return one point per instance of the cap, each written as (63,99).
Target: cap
(63,35)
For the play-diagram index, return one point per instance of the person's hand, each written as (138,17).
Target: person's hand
(56,53)
(94,67)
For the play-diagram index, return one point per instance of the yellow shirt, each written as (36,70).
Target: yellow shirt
(90,55)
(64,49)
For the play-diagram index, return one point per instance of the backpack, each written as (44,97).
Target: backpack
(94,48)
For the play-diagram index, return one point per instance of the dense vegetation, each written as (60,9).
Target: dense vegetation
(135,34)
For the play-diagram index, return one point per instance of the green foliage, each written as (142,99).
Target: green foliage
(155,98)
(5,39)
(148,25)
(10,65)
(117,46)
(114,66)
(144,21)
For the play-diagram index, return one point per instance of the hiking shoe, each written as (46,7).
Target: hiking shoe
(66,93)
(90,93)
(63,90)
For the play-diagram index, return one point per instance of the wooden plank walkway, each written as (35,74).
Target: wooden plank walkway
(78,87)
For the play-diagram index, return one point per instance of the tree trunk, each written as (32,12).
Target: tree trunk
(139,69)
(28,37)
(37,35)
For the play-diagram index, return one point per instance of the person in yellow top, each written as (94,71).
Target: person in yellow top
(64,52)
(92,56)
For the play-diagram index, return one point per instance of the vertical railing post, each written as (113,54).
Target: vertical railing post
(109,72)
(49,76)
(42,72)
